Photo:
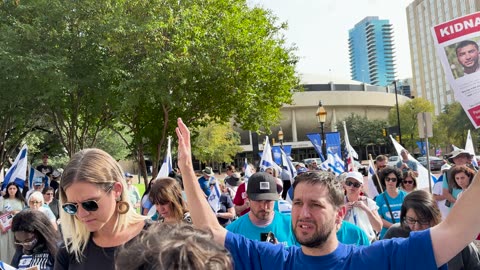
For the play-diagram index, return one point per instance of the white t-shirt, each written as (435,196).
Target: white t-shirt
(358,217)
(438,190)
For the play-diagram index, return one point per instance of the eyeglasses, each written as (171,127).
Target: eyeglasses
(90,205)
(408,182)
(355,185)
(29,242)
(388,179)
(412,221)
(35,202)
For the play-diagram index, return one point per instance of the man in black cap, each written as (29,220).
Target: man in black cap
(262,219)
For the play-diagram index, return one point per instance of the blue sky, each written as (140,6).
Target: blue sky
(319,30)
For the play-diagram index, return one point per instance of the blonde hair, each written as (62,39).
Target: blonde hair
(97,167)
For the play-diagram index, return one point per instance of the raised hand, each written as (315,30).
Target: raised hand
(184,147)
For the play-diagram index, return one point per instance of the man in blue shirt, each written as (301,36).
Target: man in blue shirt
(318,209)
(406,164)
(206,179)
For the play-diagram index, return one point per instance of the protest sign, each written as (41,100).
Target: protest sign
(456,42)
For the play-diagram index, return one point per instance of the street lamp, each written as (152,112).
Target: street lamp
(280,137)
(321,118)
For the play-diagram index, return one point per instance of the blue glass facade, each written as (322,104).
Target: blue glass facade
(372,53)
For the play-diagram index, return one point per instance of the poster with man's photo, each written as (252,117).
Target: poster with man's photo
(457,43)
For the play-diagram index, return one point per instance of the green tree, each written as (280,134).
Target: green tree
(363,133)
(453,124)
(408,119)
(216,143)
(203,61)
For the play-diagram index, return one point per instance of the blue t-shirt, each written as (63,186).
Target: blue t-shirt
(351,234)
(395,205)
(412,165)
(280,227)
(415,252)
(283,207)
(204,185)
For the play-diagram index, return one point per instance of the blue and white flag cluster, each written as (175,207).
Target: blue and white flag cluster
(18,171)
(288,167)
(214,198)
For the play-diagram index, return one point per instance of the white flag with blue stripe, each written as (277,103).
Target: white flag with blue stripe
(214,198)
(18,171)
(167,162)
(267,159)
(469,148)
(288,166)
(371,191)
(34,173)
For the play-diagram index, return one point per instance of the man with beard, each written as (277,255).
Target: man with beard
(318,209)
(262,219)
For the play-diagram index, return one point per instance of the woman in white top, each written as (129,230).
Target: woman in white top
(361,210)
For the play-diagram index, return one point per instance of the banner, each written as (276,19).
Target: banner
(333,143)
(277,154)
(422,146)
(456,42)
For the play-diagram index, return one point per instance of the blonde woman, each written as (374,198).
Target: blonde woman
(96,217)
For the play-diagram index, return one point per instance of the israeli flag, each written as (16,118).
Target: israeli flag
(287,165)
(334,163)
(214,198)
(34,173)
(167,162)
(371,188)
(469,148)
(267,160)
(18,171)
(247,169)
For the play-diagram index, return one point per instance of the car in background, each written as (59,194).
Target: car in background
(393,160)
(435,162)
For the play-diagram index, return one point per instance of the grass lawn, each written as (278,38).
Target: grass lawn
(141,188)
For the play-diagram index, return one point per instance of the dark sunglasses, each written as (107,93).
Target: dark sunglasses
(388,179)
(408,182)
(355,185)
(90,205)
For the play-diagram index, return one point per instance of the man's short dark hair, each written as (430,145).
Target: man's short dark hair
(336,194)
(465,43)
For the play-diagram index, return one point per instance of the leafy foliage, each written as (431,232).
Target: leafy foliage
(216,143)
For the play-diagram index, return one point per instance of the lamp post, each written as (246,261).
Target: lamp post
(280,137)
(321,118)
(398,113)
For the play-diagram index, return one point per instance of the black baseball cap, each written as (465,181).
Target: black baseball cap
(262,186)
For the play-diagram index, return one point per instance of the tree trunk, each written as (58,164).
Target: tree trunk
(141,164)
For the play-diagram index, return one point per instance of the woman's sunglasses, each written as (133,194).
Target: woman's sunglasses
(355,185)
(90,205)
(408,182)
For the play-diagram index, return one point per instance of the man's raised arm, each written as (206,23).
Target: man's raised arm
(461,226)
(200,211)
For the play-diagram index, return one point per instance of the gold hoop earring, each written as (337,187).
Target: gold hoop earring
(122,207)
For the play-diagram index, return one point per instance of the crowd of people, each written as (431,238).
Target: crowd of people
(96,219)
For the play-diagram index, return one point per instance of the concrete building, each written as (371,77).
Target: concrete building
(429,80)
(340,98)
(372,55)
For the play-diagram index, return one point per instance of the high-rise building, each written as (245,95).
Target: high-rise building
(372,54)
(429,79)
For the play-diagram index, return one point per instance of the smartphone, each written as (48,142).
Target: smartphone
(267,237)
